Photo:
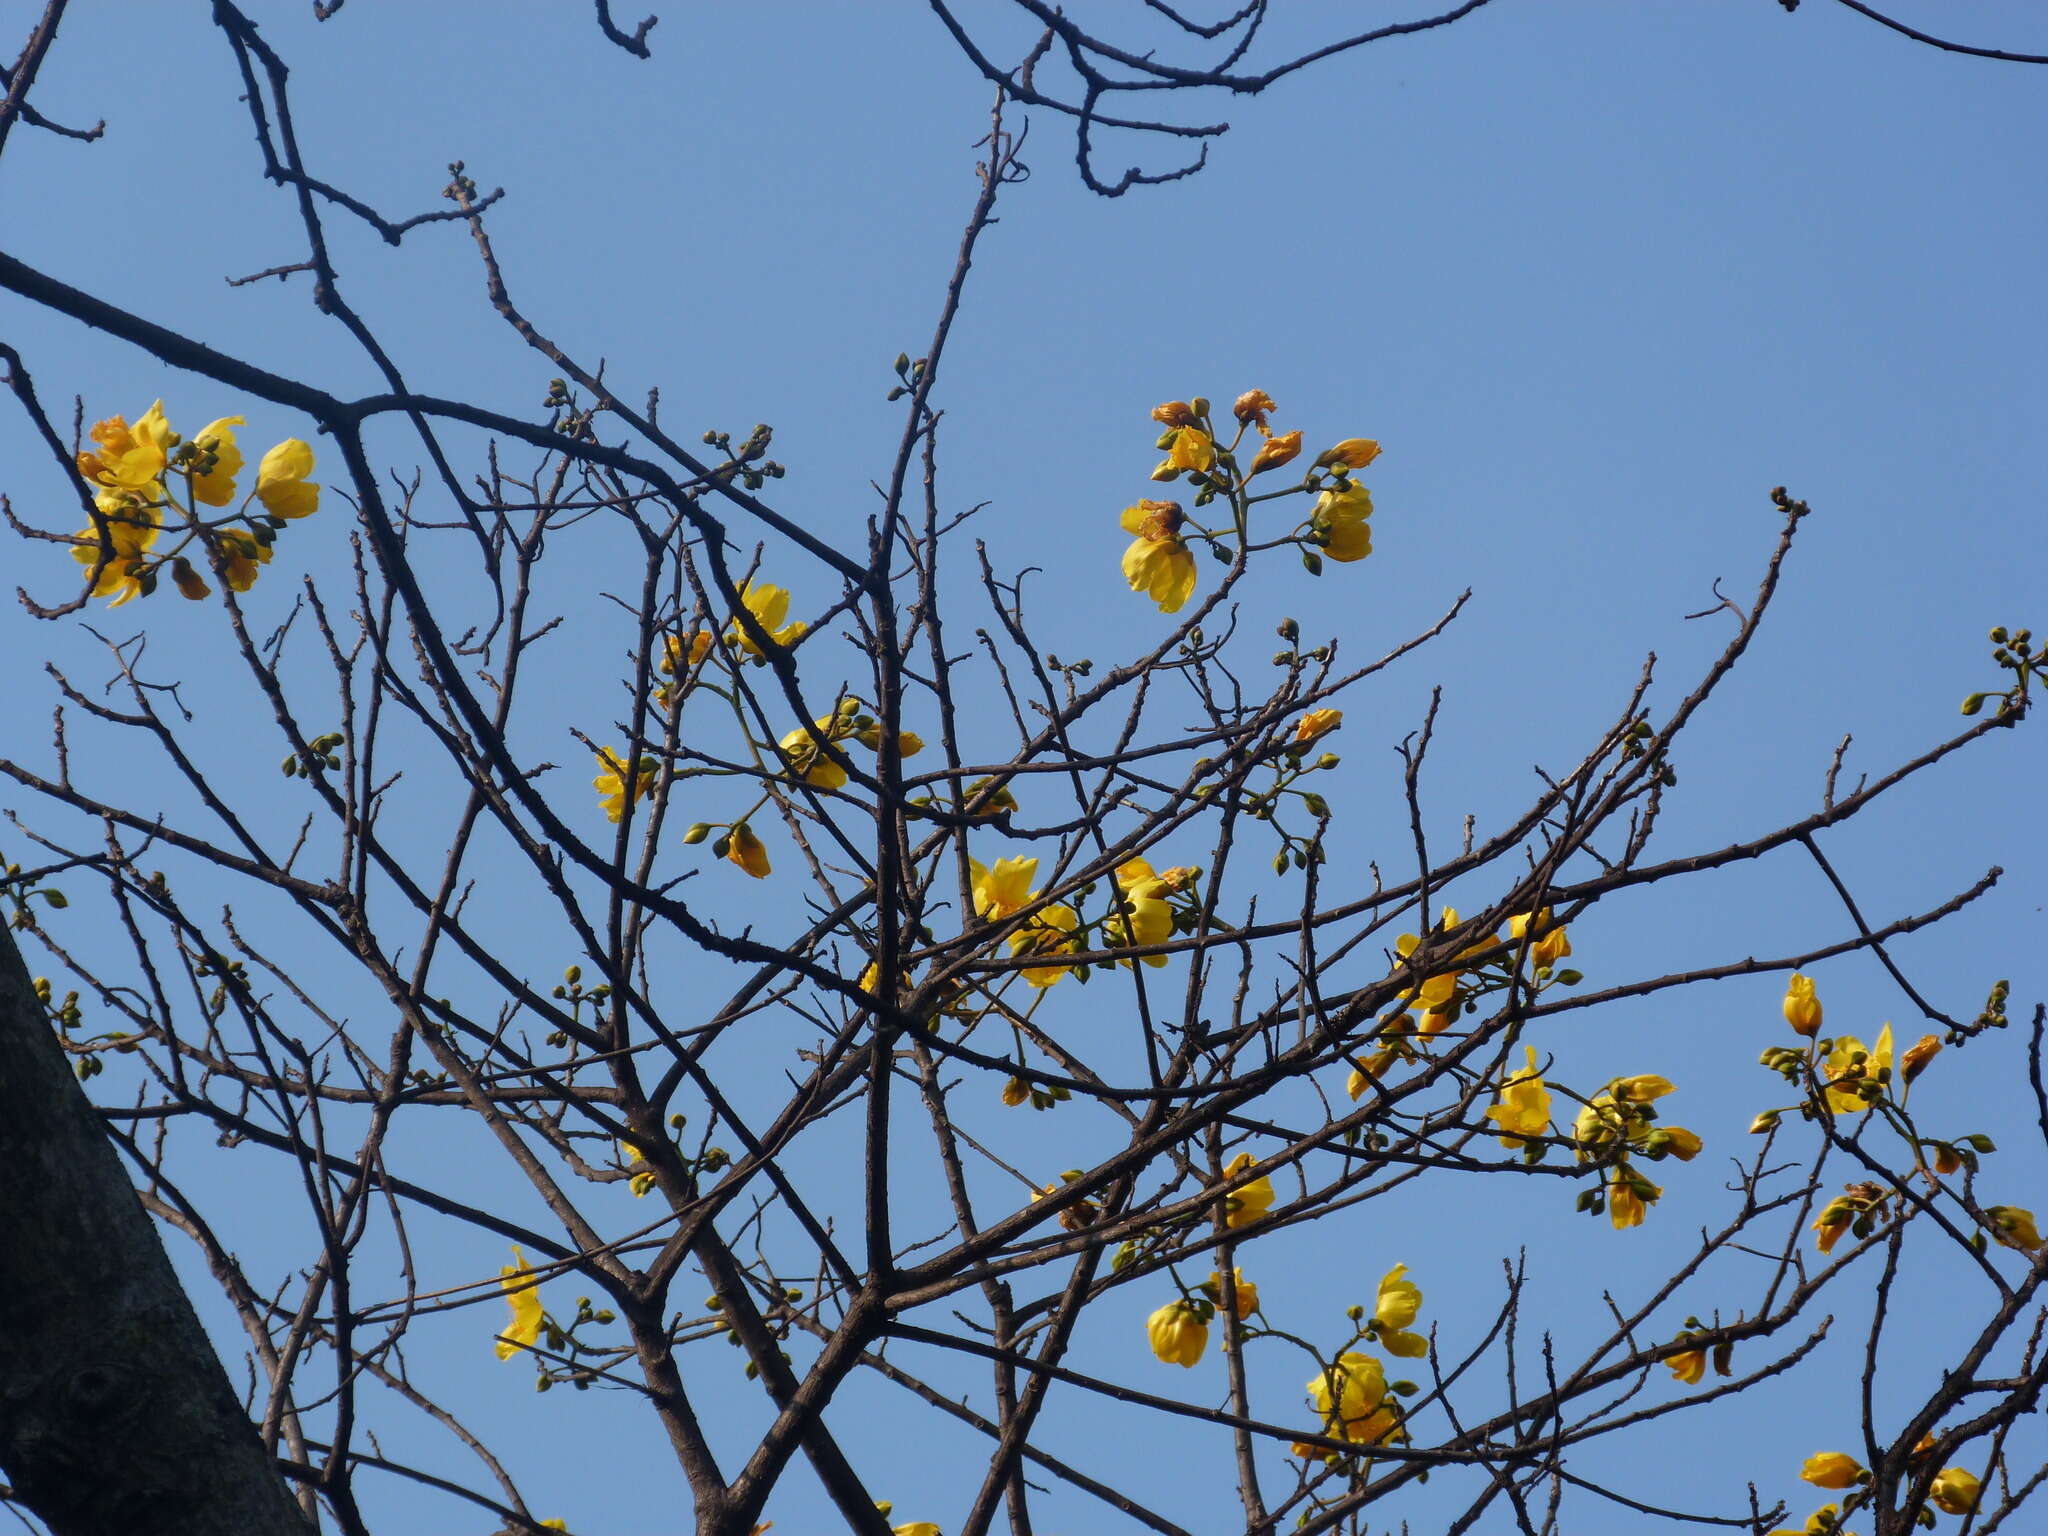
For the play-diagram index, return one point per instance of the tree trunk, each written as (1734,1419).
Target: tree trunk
(116,1418)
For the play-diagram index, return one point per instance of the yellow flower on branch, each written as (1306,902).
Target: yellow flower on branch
(1147,918)
(1274,452)
(614,793)
(914,1528)
(1802,1006)
(1247,1204)
(1524,1107)
(769,606)
(1317,722)
(1849,1063)
(1400,1301)
(1549,943)
(1048,931)
(1629,1198)
(523,1296)
(281,483)
(220,460)
(1351,1396)
(241,552)
(1178,1333)
(1688,1365)
(2014,1227)
(1955,1491)
(807,760)
(1340,518)
(1191,448)
(746,850)
(129,459)
(1002,888)
(1353,453)
(1832,1470)
(1247,1293)
(1158,562)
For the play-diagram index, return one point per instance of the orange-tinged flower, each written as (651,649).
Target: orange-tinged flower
(1247,1293)
(129,459)
(1832,1470)
(1159,562)
(1524,1107)
(746,850)
(1921,1052)
(1249,1202)
(190,583)
(1178,1333)
(281,483)
(1340,517)
(1688,1365)
(1274,452)
(1354,452)
(216,441)
(1175,413)
(523,1296)
(1317,722)
(1252,408)
(1802,1007)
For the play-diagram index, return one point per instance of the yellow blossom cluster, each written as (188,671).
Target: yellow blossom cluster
(148,480)
(1160,560)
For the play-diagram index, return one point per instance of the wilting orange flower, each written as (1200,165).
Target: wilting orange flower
(1921,1052)
(1175,413)
(1353,452)
(1252,408)
(1274,452)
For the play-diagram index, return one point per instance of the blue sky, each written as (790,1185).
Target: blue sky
(1597,275)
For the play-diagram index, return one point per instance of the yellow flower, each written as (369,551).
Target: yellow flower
(2013,1227)
(1050,931)
(1688,1365)
(1191,449)
(120,579)
(1825,1521)
(1351,1397)
(1641,1089)
(1158,562)
(1002,889)
(1015,1092)
(1274,452)
(1148,920)
(1629,1197)
(241,553)
(1175,413)
(770,608)
(1252,408)
(554,1525)
(746,850)
(1340,516)
(1831,1469)
(1802,1007)
(129,458)
(1550,943)
(1955,1491)
(1178,1333)
(1842,1067)
(1921,1052)
(807,759)
(216,487)
(642,1181)
(1317,722)
(1354,452)
(1524,1107)
(1246,1205)
(1247,1293)
(523,1296)
(699,647)
(915,1528)
(613,792)
(1675,1141)
(1399,1302)
(281,483)
(1836,1217)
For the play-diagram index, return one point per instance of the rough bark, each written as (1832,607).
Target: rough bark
(116,1417)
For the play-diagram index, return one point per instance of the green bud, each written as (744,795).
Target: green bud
(1973,703)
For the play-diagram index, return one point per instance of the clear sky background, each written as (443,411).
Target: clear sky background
(1598,275)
